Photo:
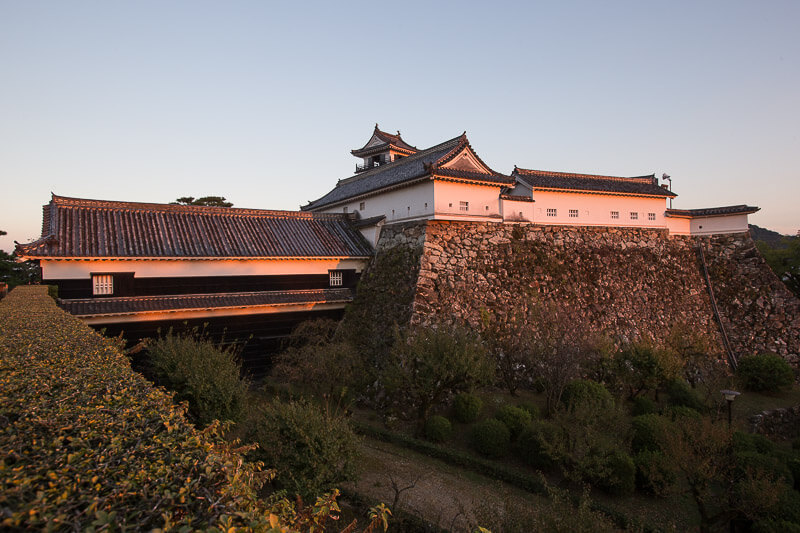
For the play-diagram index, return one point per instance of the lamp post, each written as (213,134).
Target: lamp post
(729,395)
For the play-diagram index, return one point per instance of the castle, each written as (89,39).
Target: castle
(605,248)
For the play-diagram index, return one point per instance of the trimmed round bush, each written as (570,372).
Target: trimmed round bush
(682,395)
(536,445)
(516,419)
(654,474)
(678,412)
(585,392)
(467,408)
(649,431)
(438,429)
(490,438)
(611,471)
(766,372)
(643,406)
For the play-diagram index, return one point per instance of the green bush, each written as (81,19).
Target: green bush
(467,408)
(87,443)
(752,442)
(490,438)
(585,392)
(311,448)
(611,471)
(205,376)
(682,395)
(642,405)
(654,473)
(766,372)
(649,432)
(538,446)
(676,413)
(516,419)
(532,409)
(438,429)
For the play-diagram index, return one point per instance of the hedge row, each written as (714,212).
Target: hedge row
(85,441)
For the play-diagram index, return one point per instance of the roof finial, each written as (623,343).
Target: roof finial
(398,133)
(376,126)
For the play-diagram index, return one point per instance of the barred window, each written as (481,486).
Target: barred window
(336,278)
(614,214)
(651,216)
(102,284)
(463,206)
(634,215)
(552,212)
(573,213)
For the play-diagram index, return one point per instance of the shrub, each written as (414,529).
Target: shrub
(490,438)
(467,408)
(438,429)
(584,392)
(537,445)
(654,473)
(678,413)
(311,448)
(516,419)
(752,442)
(531,408)
(643,406)
(611,471)
(766,372)
(681,395)
(649,432)
(207,377)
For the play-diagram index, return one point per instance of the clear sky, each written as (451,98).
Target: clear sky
(261,102)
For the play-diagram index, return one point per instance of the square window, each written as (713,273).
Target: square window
(573,213)
(102,284)
(651,216)
(463,206)
(634,215)
(552,212)
(336,278)
(362,205)
(614,214)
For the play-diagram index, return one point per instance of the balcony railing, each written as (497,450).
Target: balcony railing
(368,166)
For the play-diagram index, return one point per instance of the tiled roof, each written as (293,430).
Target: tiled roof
(75,227)
(395,141)
(545,179)
(201,302)
(416,166)
(712,211)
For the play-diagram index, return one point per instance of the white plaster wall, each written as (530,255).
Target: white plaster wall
(56,269)
(678,226)
(516,211)
(595,209)
(721,224)
(484,200)
(401,204)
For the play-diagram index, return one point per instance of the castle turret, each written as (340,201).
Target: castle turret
(382,148)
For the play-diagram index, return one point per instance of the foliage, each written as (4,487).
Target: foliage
(642,405)
(311,448)
(531,408)
(693,349)
(508,338)
(642,367)
(438,429)
(680,394)
(650,432)
(581,392)
(205,376)
(537,446)
(784,261)
(766,372)
(490,438)
(16,273)
(467,407)
(316,358)
(609,469)
(654,473)
(212,201)
(515,419)
(429,364)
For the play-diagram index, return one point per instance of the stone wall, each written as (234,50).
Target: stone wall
(778,423)
(625,282)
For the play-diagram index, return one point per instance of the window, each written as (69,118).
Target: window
(573,213)
(451,204)
(552,212)
(362,205)
(426,205)
(102,284)
(634,215)
(344,210)
(487,207)
(463,206)
(651,216)
(336,278)
(614,214)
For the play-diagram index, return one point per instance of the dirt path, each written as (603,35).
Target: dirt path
(440,494)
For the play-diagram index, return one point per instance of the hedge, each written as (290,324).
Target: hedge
(85,441)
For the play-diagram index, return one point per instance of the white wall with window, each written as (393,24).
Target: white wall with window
(580,208)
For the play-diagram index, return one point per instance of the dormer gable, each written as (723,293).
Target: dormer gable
(464,163)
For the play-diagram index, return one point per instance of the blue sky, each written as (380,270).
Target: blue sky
(261,102)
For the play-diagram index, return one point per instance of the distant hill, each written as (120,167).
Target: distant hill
(773,238)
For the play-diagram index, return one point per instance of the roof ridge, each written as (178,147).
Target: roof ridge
(524,171)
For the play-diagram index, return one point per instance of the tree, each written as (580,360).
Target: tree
(211,201)
(428,364)
(641,367)
(15,272)
(784,261)
(507,338)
